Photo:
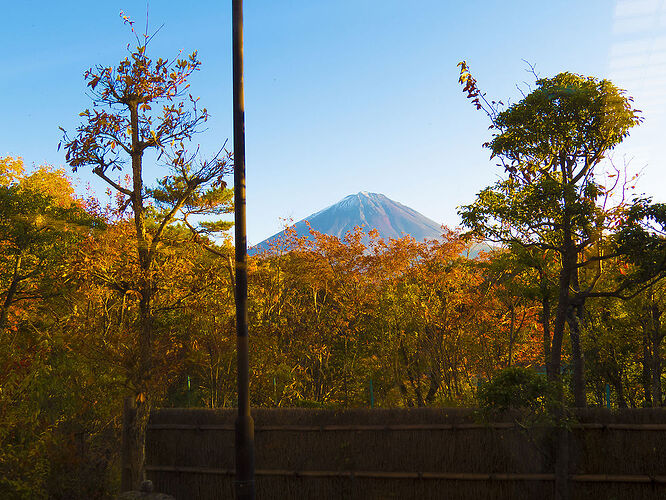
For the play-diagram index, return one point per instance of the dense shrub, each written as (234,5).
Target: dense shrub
(517,388)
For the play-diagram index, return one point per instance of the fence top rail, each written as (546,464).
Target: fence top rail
(592,417)
(401,427)
(464,476)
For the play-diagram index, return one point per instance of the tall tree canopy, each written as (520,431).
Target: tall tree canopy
(143,104)
(549,144)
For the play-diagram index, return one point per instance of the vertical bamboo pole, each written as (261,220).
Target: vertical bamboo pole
(244,484)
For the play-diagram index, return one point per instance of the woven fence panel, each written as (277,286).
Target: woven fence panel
(408,453)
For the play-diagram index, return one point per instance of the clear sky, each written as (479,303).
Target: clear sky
(341,95)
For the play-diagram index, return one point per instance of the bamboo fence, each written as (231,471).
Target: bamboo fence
(411,453)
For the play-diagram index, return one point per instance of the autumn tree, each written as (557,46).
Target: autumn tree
(51,431)
(549,144)
(426,317)
(647,311)
(516,289)
(143,105)
(38,219)
(309,304)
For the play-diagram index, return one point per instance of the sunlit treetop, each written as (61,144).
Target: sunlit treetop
(123,123)
(38,210)
(568,121)
(44,181)
(53,183)
(11,169)
(566,118)
(144,104)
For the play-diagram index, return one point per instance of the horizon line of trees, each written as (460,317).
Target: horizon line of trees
(422,322)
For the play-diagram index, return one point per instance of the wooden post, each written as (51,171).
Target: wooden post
(129,409)
(562,484)
(244,441)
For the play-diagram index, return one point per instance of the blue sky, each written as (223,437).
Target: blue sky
(342,95)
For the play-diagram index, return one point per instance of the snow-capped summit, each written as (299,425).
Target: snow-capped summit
(370,211)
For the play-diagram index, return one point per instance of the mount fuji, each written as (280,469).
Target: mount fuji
(368,210)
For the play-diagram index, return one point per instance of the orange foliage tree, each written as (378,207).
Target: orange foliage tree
(140,105)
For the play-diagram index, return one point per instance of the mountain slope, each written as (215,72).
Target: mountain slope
(369,210)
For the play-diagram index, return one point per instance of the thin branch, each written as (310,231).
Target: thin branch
(100,173)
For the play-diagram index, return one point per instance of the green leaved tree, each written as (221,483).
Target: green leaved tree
(550,144)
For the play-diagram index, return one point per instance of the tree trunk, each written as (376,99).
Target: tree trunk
(619,388)
(144,375)
(435,384)
(545,323)
(656,373)
(573,319)
(560,321)
(657,338)
(11,292)
(562,491)
(646,378)
(512,334)
(137,441)
(569,257)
